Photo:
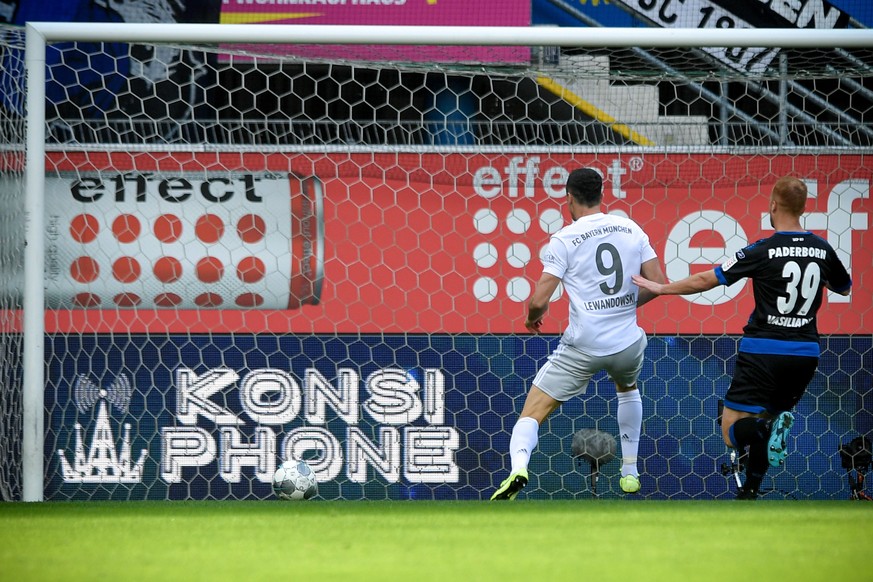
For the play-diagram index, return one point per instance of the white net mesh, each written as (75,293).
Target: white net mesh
(12,140)
(254,255)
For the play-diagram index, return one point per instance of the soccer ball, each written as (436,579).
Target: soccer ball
(295,480)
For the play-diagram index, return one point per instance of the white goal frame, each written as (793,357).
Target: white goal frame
(39,34)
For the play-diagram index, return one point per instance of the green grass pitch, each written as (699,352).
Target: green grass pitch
(442,540)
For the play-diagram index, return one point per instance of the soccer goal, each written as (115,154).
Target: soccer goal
(224,246)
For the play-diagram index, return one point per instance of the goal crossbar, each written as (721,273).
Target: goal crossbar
(450,35)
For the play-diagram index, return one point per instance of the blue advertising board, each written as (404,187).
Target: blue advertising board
(404,417)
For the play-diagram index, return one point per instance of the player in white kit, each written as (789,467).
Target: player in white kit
(594,258)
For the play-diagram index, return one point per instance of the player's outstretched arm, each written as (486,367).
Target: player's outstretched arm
(844,292)
(698,283)
(651,270)
(539,302)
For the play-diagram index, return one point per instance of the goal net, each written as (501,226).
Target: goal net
(323,250)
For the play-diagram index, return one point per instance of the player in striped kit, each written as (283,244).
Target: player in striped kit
(594,258)
(779,351)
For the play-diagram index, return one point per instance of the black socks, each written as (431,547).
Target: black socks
(753,433)
(750,430)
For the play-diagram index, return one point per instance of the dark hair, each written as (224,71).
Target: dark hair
(586,186)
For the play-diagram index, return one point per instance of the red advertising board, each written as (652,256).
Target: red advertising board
(433,243)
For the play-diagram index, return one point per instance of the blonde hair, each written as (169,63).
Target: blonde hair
(790,193)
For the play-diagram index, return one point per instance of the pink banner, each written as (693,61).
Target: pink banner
(389,13)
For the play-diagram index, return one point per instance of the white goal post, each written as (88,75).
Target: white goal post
(41,34)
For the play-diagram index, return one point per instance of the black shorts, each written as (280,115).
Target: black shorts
(771,383)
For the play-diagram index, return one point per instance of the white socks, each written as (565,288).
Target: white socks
(524,440)
(630,421)
(525,434)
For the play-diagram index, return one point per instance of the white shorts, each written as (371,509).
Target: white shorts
(567,372)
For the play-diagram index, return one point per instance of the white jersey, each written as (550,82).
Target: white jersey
(595,257)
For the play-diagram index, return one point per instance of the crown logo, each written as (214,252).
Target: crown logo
(102,463)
